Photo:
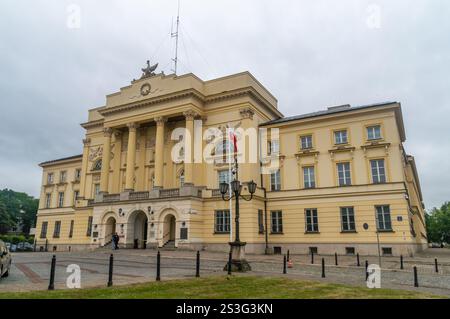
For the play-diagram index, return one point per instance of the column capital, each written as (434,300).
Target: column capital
(160,120)
(132,126)
(247,113)
(190,115)
(86,141)
(107,131)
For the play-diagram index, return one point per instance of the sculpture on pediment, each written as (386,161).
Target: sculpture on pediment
(149,70)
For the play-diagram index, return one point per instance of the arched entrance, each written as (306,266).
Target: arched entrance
(137,230)
(169,229)
(110,229)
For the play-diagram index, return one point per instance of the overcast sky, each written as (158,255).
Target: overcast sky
(309,54)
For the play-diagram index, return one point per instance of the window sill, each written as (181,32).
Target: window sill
(278,233)
(349,232)
(312,232)
(221,233)
(385,231)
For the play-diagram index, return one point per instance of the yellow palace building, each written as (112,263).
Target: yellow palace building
(343,180)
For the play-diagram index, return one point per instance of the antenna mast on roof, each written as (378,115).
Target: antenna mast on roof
(175,35)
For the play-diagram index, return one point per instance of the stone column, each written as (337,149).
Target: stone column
(189,148)
(106,157)
(84,167)
(131,157)
(159,151)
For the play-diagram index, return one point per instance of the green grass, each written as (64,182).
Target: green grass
(246,287)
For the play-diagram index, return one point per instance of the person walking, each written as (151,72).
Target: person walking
(115,240)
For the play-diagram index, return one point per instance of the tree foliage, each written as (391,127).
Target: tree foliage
(17,208)
(438,224)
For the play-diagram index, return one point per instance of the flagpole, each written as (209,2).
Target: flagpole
(231,192)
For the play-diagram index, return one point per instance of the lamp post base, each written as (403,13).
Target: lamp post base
(238,261)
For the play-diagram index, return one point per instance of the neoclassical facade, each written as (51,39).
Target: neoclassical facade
(343,181)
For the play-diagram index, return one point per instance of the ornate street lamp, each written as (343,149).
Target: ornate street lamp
(238,261)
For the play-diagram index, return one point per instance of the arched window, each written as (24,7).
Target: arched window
(97,165)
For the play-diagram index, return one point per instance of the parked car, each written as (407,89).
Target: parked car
(13,248)
(24,246)
(5,260)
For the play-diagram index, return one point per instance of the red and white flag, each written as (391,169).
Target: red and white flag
(233,139)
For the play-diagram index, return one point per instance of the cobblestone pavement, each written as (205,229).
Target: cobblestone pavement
(30,271)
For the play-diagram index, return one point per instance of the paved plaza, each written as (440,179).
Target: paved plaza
(31,271)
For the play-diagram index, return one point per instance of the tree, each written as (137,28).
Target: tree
(438,224)
(17,208)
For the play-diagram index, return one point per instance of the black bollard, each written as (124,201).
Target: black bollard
(51,285)
(335,259)
(229,263)
(367,272)
(197,267)
(416,280)
(312,257)
(284,265)
(158,266)
(401,262)
(288,257)
(436,267)
(323,268)
(357,260)
(110,274)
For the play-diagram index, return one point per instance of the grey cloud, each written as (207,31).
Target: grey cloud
(309,54)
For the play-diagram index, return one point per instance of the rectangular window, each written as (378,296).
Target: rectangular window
(224,176)
(312,221)
(57,230)
(374,132)
(61,199)
(89,226)
(96,189)
(309,180)
(378,171)
(62,176)
(260,221)
(48,200)
(344,177)
(340,137)
(387,251)
(277,222)
(50,178)
(274,147)
(76,194)
(348,219)
(275,182)
(306,142)
(77,174)
(71,229)
(222,221)
(384,217)
(44,230)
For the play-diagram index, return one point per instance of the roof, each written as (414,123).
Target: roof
(70,158)
(345,109)
(330,110)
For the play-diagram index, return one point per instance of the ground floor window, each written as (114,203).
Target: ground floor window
(348,219)
(57,230)
(260,221)
(383,217)
(89,227)
(312,220)
(277,222)
(44,230)
(222,221)
(71,229)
